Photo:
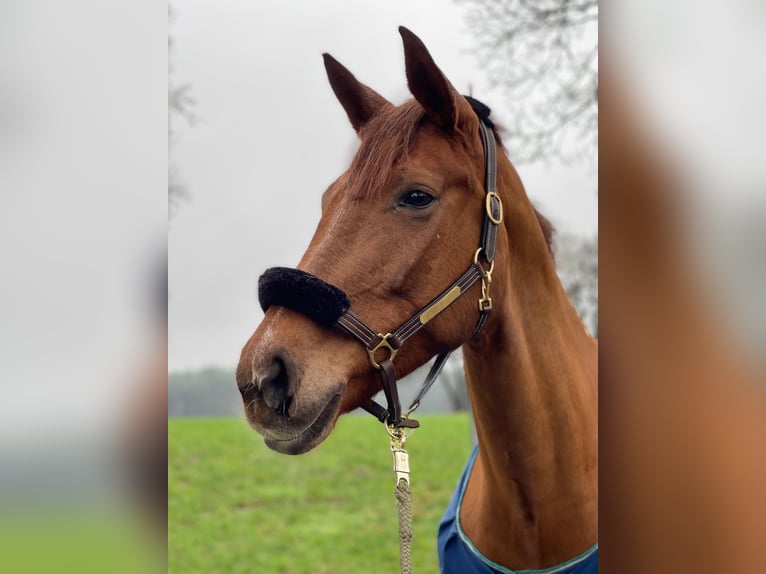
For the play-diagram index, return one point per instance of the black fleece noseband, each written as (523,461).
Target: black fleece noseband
(303,292)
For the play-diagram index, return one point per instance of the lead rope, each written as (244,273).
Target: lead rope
(403,498)
(404,503)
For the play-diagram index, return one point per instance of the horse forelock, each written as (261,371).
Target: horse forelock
(386,140)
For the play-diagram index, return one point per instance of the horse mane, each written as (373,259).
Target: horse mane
(548,231)
(389,136)
(386,140)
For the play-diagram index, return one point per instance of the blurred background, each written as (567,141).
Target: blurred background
(682,411)
(83,222)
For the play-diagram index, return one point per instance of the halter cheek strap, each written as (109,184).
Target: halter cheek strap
(329,306)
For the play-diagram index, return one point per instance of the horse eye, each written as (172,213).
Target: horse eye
(417,199)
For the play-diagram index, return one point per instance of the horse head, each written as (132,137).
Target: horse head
(397,227)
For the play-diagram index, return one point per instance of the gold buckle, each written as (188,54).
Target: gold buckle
(488,206)
(385,345)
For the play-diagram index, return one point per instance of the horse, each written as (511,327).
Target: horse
(396,228)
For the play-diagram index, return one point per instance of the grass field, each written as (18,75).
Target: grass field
(237,507)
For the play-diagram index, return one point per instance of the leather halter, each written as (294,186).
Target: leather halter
(329,306)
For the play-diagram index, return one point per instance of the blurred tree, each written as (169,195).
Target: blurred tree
(453,379)
(209,392)
(543,55)
(577,266)
(180,104)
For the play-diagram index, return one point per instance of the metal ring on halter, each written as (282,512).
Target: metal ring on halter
(476,260)
(384,344)
(397,434)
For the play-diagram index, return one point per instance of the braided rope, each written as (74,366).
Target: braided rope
(404,506)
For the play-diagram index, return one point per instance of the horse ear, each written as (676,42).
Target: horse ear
(359,101)
(427,82)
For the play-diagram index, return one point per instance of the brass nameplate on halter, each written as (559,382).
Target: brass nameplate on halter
(401,465)
(440,305)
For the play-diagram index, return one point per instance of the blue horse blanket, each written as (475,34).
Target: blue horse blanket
(458,555)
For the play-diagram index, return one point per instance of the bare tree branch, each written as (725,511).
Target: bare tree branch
(180,105)
(544,55)
(577,266)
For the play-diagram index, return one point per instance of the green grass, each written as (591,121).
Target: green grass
(81,542)
(237,507)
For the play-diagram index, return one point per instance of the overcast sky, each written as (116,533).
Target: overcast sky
(271,136)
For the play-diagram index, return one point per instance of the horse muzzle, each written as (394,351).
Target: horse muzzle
(292,398)
(287,423)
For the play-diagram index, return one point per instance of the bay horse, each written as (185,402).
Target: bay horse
(396,228)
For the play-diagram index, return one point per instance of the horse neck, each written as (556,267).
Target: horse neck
(532,378)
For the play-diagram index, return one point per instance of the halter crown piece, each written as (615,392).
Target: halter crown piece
(329,306)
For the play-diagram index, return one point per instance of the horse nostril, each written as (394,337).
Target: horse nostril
(276,387)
